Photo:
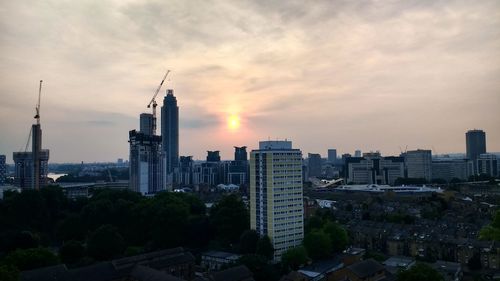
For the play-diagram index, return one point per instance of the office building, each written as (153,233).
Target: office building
(475,142)
(3,170)
(170,132)
(185,174)
(237,170)
(374,169)
(487,164)
(418,164)
(450,168)
(357,153)
(146,168)
(213,156)
(332,156)
(314,165)
(276,194)
(240,153)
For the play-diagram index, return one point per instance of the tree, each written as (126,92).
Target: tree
(337,234)
(12,240)
(9,273)
(314,222)
(492,231)
(262,271)
(248,242)
(71,252)
(230,218)
(105,243)
(71,228)
(420,272)
(26,259)
(474,262)
(293,258)
(265,247)
(318,244)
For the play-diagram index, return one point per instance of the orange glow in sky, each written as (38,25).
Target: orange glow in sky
(233,122)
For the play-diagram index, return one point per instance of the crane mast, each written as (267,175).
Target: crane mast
(37,109)
(153,101)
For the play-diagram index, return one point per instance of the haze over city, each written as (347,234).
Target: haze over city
(365,75)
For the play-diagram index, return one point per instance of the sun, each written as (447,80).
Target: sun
(233,122)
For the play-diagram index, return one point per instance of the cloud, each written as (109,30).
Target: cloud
(327,73)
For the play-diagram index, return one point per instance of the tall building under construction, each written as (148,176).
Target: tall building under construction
(146,161)
(31,168)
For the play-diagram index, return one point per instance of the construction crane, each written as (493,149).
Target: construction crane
(153,101)
(37,116)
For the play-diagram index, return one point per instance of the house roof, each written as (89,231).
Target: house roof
(365,268)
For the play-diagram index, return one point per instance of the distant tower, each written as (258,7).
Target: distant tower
(276,194)
(475,142)
(357,153)
(332,155)
(314,165)
(213,156)
(170,131)
(240,153)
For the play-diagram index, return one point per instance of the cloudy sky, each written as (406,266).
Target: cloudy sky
(369,75)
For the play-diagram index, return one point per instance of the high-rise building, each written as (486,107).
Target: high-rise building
(3,170)
(31,168)
(314,165)
(146,159)
(357,153)
(276,194)
(237,170)
(487,164)
(475,142)
(146,123)
(170,132)
(240,153)
(374,169)
(185,174)
(213,156)
(332,155)
(418,164)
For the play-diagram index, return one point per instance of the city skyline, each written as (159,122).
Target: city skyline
(327,75)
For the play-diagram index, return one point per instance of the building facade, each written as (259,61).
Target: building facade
(487,164)
(332,155)
(146,168)
(314,165)
(448,169)
(418,164)
(374,169)
(170,132)
(475,142)
(3,169)
(276,194)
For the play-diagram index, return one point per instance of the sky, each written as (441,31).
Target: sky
(369,75)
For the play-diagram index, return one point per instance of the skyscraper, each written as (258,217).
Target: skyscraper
(146,161)
(238,169)
(475,142)
(314,165)
(170,131)
(240,153)
(276,194)
(332,155)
